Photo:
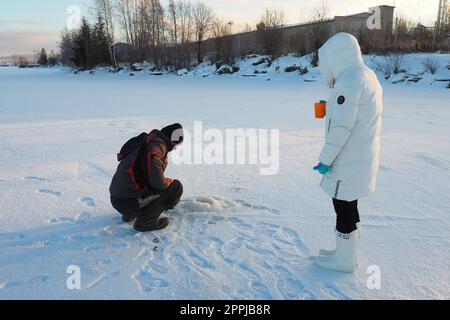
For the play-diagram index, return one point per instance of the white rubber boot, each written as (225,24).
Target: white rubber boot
(344,259)
(325,252)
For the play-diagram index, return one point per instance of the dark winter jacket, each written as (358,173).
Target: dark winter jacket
(142,171)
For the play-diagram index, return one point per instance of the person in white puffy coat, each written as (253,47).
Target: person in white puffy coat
(349,160)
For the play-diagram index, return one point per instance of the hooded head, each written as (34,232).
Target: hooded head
(340,53)
(174,133)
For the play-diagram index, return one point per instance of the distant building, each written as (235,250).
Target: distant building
(300,37)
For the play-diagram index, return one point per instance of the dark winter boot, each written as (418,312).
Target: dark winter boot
(128,219)
(149,220)
(142,225)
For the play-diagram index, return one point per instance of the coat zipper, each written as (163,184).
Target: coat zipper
(329,125)
(336,192)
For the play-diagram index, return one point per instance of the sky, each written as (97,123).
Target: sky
(29,25)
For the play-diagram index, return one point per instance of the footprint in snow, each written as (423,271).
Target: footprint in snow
(291,287)
(102,262)
(199,261)
(177,260)
(50,192)
(94,248)
(158,268)
(24,282)
(335,293)
(119,245)
(61,220)
(83,218)
(254,281)
(147,282)
(34,178)
(257,207)
(12,237)
(88,202)
(232,246)
(239,223)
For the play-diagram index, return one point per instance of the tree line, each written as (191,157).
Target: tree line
(173,36)
(162,35)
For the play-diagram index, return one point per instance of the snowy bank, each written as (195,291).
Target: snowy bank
(419,68)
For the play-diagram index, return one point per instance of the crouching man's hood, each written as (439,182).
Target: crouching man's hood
(340,53)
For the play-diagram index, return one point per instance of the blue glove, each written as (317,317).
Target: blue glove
(322,168)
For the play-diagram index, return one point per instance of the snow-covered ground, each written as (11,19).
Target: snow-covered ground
(237,234)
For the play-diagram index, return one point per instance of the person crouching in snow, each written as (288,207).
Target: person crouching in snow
(349,160)
(139,190)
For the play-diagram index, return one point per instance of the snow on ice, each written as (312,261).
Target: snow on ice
(237,234)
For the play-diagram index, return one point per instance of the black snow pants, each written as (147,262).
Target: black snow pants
(347,215)
(166,200)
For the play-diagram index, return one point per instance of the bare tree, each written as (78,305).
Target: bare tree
(174,17)
(186,32)
(247,28)
(318,32)
(20,61)
(270,31)
(221,31)
(431,64)
(272,18)
(104,9)
(180,25)
(127,17)
(186,21)
(203,17)
(320,11)
(143,25)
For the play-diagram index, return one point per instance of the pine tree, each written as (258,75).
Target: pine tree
(83,53)
(66,47)
(52,59)
(100,43)
(43,58)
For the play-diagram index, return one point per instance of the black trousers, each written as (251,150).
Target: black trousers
(167,199)
(347,215)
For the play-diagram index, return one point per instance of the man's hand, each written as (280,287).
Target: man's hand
(322,168)
(169,181)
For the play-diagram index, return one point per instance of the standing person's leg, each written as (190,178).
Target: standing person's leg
(344,257)
(149,220)
(346,215)
(346,218)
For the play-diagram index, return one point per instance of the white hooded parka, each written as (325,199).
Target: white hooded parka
(353,120)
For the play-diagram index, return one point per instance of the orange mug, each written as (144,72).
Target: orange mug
(320,109)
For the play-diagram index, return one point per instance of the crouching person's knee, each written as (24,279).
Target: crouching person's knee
(174,194)
(177,188)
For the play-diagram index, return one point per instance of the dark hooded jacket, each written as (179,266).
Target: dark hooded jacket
(141,173)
